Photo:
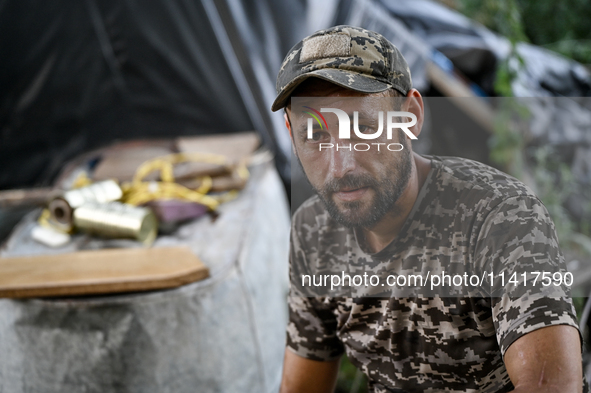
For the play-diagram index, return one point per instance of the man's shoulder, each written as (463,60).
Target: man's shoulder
(311,221)
(463,176)
(312,210)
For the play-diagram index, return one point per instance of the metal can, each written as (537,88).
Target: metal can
(62,207)
(117,220)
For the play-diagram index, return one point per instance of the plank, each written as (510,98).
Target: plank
(121,162)
(99,271)
(459,93)
(235,146)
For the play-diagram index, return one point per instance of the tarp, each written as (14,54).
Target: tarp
(75,76)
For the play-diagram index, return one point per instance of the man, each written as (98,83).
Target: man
(400,212)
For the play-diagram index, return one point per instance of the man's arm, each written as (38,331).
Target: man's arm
(546,360)
(301,375)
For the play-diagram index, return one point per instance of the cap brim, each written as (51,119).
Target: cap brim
(344,78)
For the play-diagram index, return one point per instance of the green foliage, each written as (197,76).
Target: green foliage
(579,50)
(505,144)
(350,379)
(502,16)
(562,26)
(504,77)
(554,183)
(579,303)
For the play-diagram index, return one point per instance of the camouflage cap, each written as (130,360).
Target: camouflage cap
(347,56)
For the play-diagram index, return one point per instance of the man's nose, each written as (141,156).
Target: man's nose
(342,159)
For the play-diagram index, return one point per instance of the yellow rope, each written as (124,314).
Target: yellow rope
(43,219)
(138,191)
(82,180)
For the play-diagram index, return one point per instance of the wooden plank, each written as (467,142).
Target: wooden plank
(121,162)
(235,146)
(100,271)
(459,93)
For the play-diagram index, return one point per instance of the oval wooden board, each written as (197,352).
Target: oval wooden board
(100,271)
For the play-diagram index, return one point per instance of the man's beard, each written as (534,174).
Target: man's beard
(387,192)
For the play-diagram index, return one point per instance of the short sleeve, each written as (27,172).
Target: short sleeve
(312,327)
(518,244)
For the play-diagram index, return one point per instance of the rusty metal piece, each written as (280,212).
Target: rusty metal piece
(26,197)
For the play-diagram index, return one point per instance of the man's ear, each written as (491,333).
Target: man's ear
(414,104)
(287,124)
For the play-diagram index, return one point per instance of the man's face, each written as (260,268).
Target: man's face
(358,187)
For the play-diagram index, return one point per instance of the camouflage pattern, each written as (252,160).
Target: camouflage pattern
(370,65)
(466,213)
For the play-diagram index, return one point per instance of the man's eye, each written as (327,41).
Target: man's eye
(316,136)
(365,129)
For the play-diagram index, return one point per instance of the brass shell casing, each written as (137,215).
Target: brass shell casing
(117,220)
(62,207)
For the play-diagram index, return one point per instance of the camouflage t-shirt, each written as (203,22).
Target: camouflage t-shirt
(466,214)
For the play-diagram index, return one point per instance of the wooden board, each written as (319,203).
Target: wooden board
(235,146)
(100,271)
(459,93)
(121,162)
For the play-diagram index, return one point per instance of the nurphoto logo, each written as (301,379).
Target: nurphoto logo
(392,122)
